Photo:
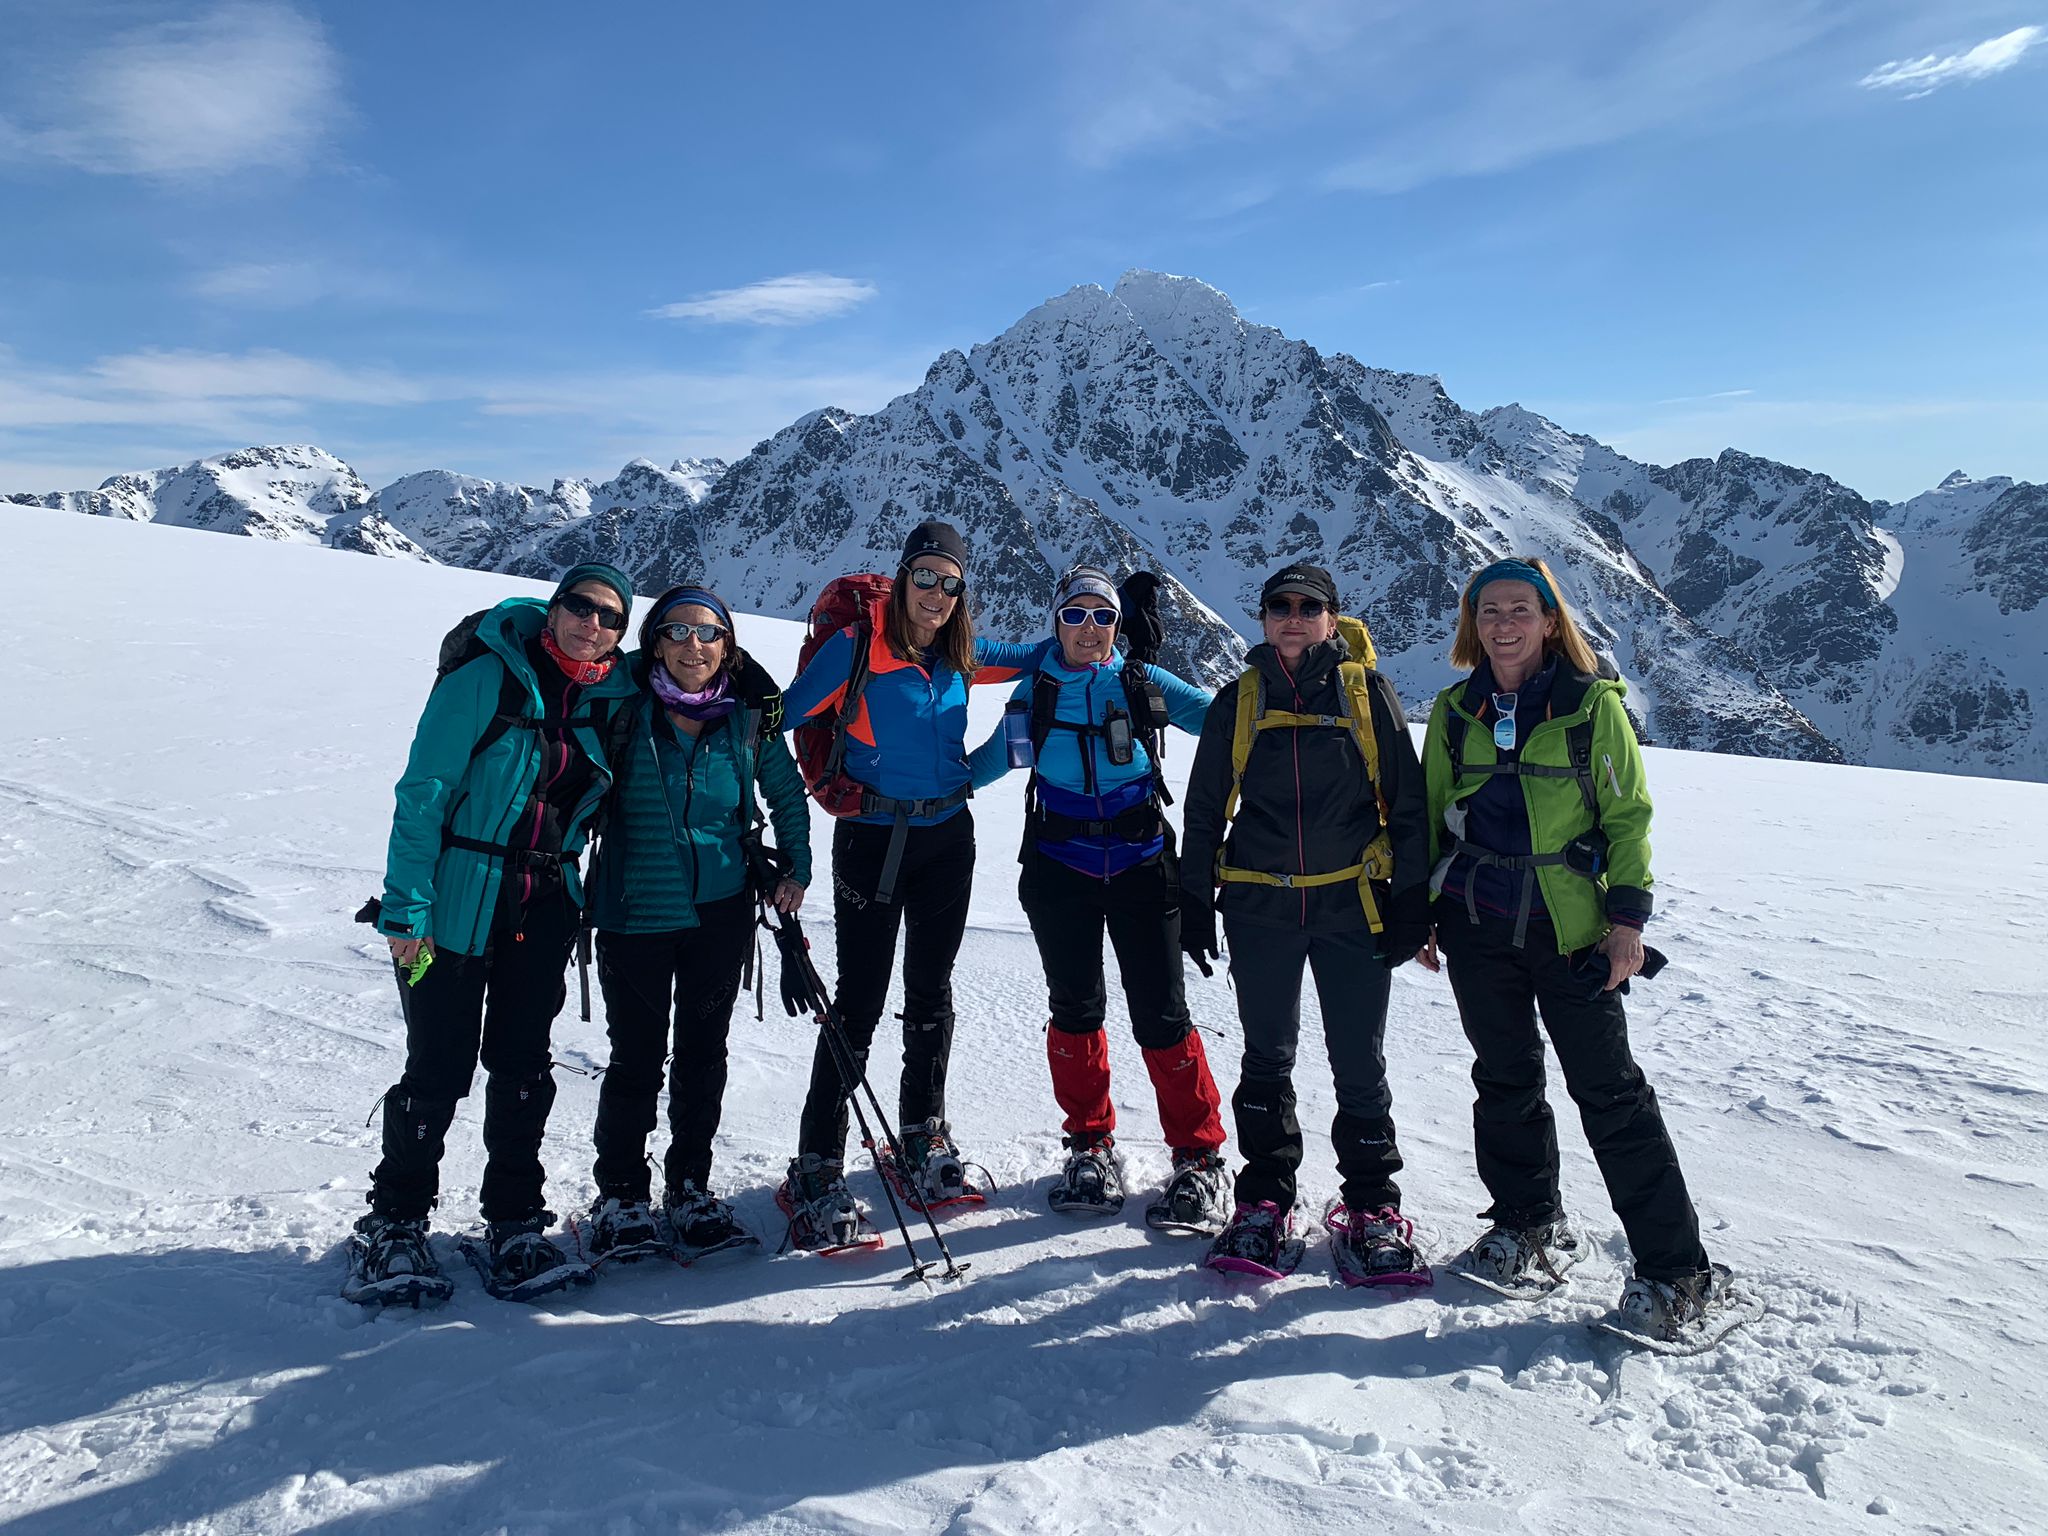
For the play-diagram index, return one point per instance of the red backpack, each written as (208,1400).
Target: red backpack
(820,742)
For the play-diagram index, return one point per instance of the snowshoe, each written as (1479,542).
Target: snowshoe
(621,1231)
(1191,1205)
(1090,1184)
(1685,1317)
(391,1265)
(1259,1241)
(1521,1263)
(520,1262)
(1374,1247)
(823,1217)
(932,1176)
(703,1224)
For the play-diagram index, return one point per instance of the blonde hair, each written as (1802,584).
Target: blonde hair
(1568,642)
(956,635)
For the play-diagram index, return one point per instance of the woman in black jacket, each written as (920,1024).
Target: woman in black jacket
(1325,866)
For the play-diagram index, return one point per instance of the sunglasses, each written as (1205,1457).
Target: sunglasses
(924,578)
(578,606)
(1307,608)
(1074,618)
(706,634)
(1504,721)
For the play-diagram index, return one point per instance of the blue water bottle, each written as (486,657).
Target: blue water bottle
(1017,734)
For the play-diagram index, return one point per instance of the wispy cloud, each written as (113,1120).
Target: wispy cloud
(1924,76)
(244,86)
(1719,394)
(290,284)
(801,298)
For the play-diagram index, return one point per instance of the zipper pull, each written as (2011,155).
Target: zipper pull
(1613,782)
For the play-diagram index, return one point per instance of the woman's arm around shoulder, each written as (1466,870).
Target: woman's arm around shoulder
(821,684)
(1001,661)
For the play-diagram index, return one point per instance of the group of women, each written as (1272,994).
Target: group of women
(1514,853)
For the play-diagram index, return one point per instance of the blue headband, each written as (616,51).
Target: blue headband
(1511,569)
(697,595)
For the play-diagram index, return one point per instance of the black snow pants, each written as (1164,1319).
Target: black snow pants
(1500,989)
(930,907)
(498,1007)
(701,968)
(1069,911)
(1352,985)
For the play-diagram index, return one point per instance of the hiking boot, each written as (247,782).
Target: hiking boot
(931,1163)
(623,1226)
(701,1221)
(1667,1309)
(391,1249)
(1090,1184)
(521,1251)
(1529,1257)
(1193,1199)
(1258,1232)
(821,1210)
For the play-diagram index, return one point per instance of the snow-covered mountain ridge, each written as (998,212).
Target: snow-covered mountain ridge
(1753,607)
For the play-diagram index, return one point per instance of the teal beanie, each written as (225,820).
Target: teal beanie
(597,570)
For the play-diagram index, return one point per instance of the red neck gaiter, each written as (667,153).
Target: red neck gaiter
(582,673)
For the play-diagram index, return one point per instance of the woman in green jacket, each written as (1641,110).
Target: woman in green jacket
(1540,840)
(674,912)
(481,906)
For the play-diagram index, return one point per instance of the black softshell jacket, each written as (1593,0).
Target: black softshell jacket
(1306,805)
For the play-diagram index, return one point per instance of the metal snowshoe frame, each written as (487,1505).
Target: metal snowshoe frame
(764,865)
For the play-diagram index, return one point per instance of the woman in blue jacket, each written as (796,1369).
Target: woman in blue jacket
(674,913)
(1098,854)
(481,905)
(906,860)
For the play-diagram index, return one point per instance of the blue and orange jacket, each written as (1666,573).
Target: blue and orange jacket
(1076,779)
(908,738)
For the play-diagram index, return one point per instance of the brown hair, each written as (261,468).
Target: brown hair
(1467,652)
(956,635)
(729,663)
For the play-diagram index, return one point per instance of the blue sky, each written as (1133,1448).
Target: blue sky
(519,242)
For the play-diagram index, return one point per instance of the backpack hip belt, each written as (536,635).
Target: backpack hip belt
(1377,863)
(1140,824)
(900,812)
(1527,863)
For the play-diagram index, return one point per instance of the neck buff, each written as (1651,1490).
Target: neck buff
(713,703)
(582,672)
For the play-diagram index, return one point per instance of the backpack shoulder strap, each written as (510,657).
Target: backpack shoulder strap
(1357,683)
(1567,697)
(1045,703)
(862,631)
(1251,703)
(511,711)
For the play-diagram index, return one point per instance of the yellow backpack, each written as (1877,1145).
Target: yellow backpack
(1377,861)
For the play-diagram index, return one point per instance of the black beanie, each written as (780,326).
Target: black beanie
(936,538)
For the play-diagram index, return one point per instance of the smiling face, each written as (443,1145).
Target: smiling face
(1513,624)
(929,607)
(1085,644)
(585,639)
(1290,631)
(690,661)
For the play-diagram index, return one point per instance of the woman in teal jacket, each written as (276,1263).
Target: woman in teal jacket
(481,905)
(674,913)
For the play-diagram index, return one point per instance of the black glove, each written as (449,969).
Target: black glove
(758,688)
(1407,926)
(1198,930)
(798,995)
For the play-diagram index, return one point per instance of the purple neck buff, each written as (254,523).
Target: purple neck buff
(714,703)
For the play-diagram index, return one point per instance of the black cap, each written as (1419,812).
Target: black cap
(1302,581)
(936,538)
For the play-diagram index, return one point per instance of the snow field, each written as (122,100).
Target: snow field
(194,799)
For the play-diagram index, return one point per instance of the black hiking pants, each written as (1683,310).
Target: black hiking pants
(700,968)
(1140,908)
(930,907)
(1352,985)
(498,1007)
(1500,990)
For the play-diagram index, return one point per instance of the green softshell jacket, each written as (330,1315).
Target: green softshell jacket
(673,839)
(1557,811)
(448,894)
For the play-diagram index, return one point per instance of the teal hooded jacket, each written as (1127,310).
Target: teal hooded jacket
(449,789)
(679,807)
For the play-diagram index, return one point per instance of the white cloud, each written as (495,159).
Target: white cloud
(244,86)
(798,299)
(292,284)
(1924,76)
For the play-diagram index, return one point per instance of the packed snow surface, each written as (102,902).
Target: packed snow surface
(1851,1044)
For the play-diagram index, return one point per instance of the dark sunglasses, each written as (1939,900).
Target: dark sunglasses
(579,606)
(924,578)
(1307,608)
(706,634)
(1074,618)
